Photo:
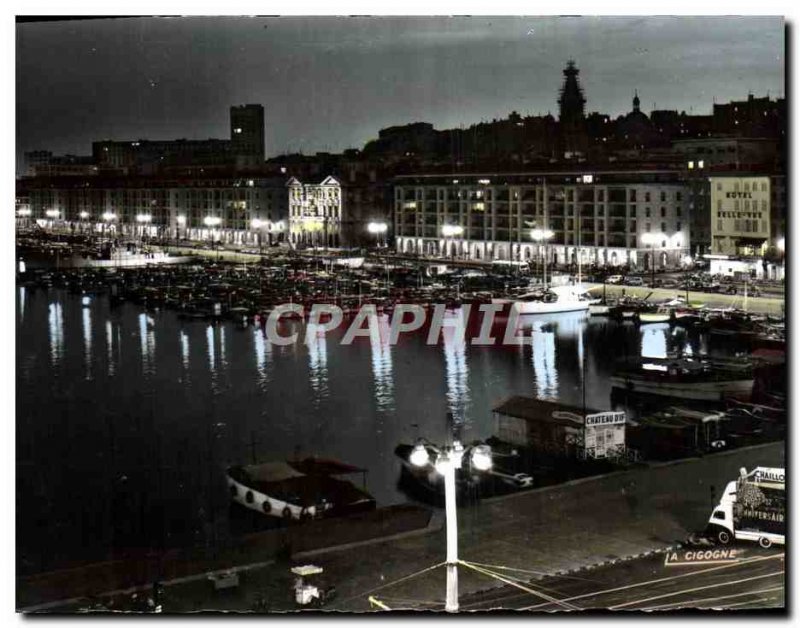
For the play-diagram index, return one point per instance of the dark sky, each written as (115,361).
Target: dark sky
(331,83)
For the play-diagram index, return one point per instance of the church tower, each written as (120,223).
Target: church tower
(572,117)
(571,104)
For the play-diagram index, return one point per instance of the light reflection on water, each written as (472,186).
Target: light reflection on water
(321,403)
(87,340)
(456,368)
(381,353)
(654,340)
(317,361)
(56,332)
(263,350)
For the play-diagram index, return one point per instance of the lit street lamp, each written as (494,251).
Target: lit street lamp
(143,220)
(539,236)
(651,239)
(377,228)
(781,244)
(448,459)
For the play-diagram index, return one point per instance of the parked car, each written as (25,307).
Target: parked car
(614,279)
(634,281)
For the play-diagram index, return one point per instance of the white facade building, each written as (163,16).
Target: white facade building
(605,219)
(315,212)
(740,215)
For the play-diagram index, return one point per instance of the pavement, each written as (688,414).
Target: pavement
(755,579)
(545,532)
(756,305)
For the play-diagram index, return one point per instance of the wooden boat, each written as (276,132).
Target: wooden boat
(686,378)
(298,490)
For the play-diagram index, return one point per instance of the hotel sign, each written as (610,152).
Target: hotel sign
(605,418)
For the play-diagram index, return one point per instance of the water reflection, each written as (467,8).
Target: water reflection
(654,340)
(222,359)
(56,328)
(87,340)
(543,357)
(185,349)
(21,303)
(262,350)
(382,365)
(110,347)
(455,358)
(210,350)
(147,339)
(317,360)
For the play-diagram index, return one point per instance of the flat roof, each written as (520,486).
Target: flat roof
(532,409)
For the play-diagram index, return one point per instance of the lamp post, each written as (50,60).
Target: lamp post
(452,231)
(180,222)
(651,238)
(377,228)
(257,224)
(781,244)
(107,218)
(448,459)
(212,221)
(542,236)
(143,220)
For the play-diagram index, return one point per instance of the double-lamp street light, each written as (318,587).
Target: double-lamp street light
(651,239)
(539,236)
(378,229)
(447,460)
(452,231)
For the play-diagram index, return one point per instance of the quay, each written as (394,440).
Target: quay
(540,532)
(755,305)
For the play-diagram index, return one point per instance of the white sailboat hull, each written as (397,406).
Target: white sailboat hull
(538,307)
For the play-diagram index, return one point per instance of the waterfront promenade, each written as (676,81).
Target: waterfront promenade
(543,532)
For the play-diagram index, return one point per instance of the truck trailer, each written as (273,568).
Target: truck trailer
(752,508)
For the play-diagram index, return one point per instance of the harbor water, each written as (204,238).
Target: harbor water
(126,419)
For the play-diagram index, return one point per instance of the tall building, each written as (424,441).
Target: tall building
(247,134)
(572,116)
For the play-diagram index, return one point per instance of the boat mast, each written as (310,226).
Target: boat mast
(745,295)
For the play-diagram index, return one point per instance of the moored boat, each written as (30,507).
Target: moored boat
(551,301)
(685,378)
(298,490)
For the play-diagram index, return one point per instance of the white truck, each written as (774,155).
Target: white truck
(752,508)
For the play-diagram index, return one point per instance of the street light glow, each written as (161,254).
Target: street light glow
(24,212)
(781,244)
(212,221)
(419,456)
(442,463)
(650,238)
(181,220)
(482,457)
(109,216)
(52,213)
(452,230)
(256,223)
(377,227)
(84,215)
(143,218)
(541,234)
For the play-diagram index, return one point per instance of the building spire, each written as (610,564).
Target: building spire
(571,103)
(636,101)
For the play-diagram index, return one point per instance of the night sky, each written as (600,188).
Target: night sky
(332,83)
